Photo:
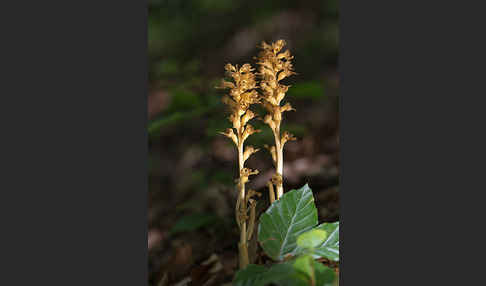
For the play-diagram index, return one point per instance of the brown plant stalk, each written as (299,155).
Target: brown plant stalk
(242,94)
(274,66)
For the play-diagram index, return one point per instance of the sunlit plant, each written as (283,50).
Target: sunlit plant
(275,65)
(242,94)
(288,231)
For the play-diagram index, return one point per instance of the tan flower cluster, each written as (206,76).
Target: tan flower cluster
(274,66)
(241,96)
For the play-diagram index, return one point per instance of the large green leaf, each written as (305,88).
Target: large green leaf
(294,213)
(330,247)
(325,276)
(315,272)
(298,272)
(282,274)
(305,265)
(251,275)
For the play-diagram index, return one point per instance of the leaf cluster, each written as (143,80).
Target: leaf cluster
(289,233)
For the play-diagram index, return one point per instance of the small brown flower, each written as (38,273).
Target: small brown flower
(230,134)
(287,137)
(249,150)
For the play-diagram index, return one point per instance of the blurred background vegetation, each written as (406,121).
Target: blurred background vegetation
(191,167)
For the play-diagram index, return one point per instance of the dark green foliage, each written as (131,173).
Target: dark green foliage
(249,276)
(288,231)
(193,222)
(306,90)
(299,272)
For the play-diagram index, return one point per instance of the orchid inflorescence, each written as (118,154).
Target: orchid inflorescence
(274,66)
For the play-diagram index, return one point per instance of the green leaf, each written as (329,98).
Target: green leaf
(295,273)
(312,238)
(330,247)
(293,214)
(305,264)
(325,276)
(193,222)
(283,274)
(249,276)
(315,273)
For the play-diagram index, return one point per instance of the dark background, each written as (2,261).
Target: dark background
(191,167)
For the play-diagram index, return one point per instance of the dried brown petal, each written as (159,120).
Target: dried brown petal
(230,134)
(277,46)
(272,100)
(250,97)
(248,131)
(245,173)
(267,72)
(283,74)
(268,120)
(226,84)
(236,76)
(249,150)
(276,179)
(266,46)
(286,107)
(229,67)
(247,117)
(284,55)
(235,120)
(246,68)
(287,137)
(265,65)
(241,109)
(282,89)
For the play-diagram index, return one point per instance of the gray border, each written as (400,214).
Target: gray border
(408,196)
(75,208)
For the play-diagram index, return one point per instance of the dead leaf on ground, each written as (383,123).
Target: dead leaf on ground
(155,236)
(180,261)
(206,272)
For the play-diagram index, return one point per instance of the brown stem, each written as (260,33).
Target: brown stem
(271,192)
(279,151)
(242,246)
